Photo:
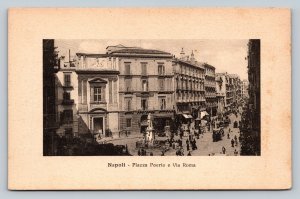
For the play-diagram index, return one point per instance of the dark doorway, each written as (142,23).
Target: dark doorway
(98,125)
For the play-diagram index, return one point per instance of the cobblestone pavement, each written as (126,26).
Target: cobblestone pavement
(205,144)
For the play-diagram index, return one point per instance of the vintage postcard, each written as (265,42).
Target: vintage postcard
(95,94)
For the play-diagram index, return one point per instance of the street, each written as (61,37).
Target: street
(205,144)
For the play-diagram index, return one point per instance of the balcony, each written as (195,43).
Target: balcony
(68,85)
(68,102)
(101,105)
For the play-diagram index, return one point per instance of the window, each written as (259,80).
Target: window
(144,104)
(127,68)
(67,79)
(67,116)
(161,69)
(110,87)
(145,85)
(162,102)
(97,94)
(144,68)
(128,104)
(128,84)
(115,91)
(128,122)
(161,84)
(67,96)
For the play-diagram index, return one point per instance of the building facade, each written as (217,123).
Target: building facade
(235,90)
(244,90)
(145,87)
(66,93)
(210,90)
(189,86)
(254,82)
(97,94)
(50,120)
(221,93)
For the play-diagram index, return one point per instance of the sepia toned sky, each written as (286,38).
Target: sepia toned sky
(224,55)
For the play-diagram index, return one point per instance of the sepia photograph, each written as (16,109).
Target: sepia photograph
(151,97)
(109,98)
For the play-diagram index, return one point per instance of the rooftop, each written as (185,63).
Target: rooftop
(139,51)
(191,63)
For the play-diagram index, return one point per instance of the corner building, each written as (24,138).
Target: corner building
(145,87)
(189,86)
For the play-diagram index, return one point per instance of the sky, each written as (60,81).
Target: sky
(225,55)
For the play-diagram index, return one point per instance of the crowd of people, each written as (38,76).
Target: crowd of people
(184,141)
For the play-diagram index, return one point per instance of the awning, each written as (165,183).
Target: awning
(187,116)
(203,113)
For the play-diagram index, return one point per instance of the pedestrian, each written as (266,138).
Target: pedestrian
(223,150)
(228,136)
(180,142)
(232,143)
(182,151)
(173,145)
(139,152)
(162,153)
(187,146)
(236,152)
(189,154)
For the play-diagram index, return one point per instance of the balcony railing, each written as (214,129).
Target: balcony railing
(68,85)
(68,102)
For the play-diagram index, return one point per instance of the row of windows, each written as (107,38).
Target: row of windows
(160,69)
(162,84)
(191,71)
(189,85)
(190,96)
(144,103)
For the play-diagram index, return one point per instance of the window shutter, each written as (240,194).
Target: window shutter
(102,94)
(115,92)
(92,94)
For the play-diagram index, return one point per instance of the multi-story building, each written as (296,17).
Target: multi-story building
(221,92)
(210,90)
(254,82)
(189,86)
(97,99)
(145,87)
(239,91)
(225,88)
(229,92)
(244,89)
(50,120)
(66,92)
(234,86)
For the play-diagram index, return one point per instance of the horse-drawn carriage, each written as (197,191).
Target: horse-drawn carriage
(217,134)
